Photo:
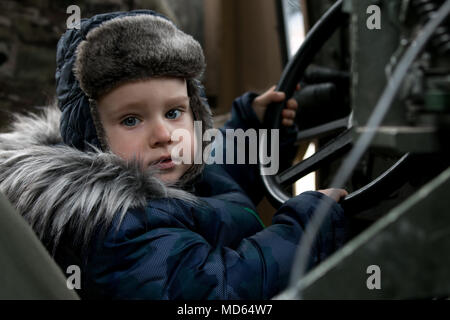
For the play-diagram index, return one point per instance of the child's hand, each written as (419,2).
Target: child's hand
(262,101)
(335,194)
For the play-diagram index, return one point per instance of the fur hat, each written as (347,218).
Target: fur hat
(112,49)
(135,47)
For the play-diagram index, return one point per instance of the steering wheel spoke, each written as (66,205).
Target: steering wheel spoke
(331,151)
(322,130)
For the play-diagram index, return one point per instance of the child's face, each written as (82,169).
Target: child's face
(139,118)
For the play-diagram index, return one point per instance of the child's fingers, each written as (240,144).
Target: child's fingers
(292,104)
(275,96)
(290,111)
(287,122)
(336,194)
(288,117)
(344,192)
(270,96)
(288,114)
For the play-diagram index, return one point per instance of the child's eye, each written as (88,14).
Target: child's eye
(173,114)
(130,121)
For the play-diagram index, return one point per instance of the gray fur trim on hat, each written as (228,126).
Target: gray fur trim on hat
(132,48)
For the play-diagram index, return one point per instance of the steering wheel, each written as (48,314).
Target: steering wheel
(275,185)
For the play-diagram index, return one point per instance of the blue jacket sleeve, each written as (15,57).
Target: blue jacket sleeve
(167,258)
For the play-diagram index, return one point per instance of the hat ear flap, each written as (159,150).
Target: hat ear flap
(101,134)
(199,104)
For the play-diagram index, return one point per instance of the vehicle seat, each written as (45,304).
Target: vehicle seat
(27,270)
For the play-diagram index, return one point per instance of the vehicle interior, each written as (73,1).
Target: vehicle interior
(373,118)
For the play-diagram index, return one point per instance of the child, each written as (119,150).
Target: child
(97,183)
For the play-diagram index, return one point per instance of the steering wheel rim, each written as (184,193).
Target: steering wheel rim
(356,201)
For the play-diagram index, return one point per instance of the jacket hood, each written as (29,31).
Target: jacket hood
(113,48)
(59,189)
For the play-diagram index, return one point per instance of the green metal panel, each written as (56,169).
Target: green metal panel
(371,51)
(26,269)
(411,246)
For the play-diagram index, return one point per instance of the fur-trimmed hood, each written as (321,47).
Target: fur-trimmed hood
(57,188)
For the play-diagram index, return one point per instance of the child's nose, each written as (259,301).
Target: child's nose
(160,133)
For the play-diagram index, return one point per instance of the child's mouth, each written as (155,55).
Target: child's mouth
(166,163)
